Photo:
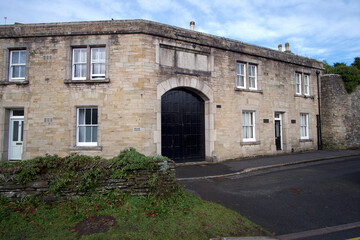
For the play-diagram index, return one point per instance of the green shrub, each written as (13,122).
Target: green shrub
(86,171)
(349,74)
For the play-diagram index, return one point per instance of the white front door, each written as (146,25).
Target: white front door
(16,137)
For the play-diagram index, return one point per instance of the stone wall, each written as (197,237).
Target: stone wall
(139,184)
(340,113)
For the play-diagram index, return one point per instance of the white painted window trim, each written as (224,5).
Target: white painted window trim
(97,61)
(254,76)
(238,64)
(306,84)
(11,79)
(252,116)
(298,83)
(79,63)
(304,116)
(86,125)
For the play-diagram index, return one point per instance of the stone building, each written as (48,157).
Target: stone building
(98,87)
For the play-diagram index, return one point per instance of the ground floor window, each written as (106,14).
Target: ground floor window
(248,126)
(87,126)
(304,125)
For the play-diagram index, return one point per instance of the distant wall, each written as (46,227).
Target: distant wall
(340,114)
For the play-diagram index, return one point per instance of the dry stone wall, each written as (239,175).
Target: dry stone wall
(140,184)
(340,114)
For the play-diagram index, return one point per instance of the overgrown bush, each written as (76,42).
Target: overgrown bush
(85,172)
(349,74)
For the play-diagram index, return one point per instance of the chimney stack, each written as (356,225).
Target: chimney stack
(280,47)
(192,25)
(287,47)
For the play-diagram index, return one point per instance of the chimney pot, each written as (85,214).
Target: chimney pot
(280,47)
(287,47)
(192,25)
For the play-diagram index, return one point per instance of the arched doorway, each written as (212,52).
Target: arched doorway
(182,125)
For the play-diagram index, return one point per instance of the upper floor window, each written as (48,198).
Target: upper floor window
(81,64)
(246,79)
(252,76)
(298,83)
(240,75)
(248,126)
(17,65)
(302,84)
(97,63)
(306,84)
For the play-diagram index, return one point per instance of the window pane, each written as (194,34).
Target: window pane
(87,134)
(18,112)
(16,131)
(94,116)
(94,134)
(15,72)
(88,116)
(22,57)
(15,57)
(240,81)
(81,116)
(81,134)
(22,71)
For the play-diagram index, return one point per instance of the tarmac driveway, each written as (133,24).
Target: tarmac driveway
(289,200)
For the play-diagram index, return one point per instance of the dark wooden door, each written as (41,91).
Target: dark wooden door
(182,126)
(278,134)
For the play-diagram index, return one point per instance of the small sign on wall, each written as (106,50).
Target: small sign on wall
(137,129)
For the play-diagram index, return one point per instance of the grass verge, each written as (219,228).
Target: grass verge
(180,216)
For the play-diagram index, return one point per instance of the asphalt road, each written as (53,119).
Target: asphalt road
(290,200)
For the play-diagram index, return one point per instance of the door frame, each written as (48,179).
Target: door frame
(278,117)
(206,93)
(11,125)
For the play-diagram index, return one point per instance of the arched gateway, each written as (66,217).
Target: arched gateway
(185,126)
(182,126)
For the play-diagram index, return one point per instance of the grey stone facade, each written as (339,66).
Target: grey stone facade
(144,60)
(340,114)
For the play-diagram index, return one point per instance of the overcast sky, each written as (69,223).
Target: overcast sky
(321,29)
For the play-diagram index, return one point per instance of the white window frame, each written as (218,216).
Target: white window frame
(304,126)
(88,62)
(99,61)
(82,63)
(91,125)
(306,84)
(248,124)
(19,64)
(298,83)
(239,75)
(250,66)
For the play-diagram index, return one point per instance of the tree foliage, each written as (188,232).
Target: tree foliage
(350,74)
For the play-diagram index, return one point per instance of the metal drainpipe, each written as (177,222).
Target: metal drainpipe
(319,110)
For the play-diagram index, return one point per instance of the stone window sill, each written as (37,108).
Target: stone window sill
(87,81)
(86,148)
(14,83)
(306,140)
(248,90)
(250,143)
(304,96)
